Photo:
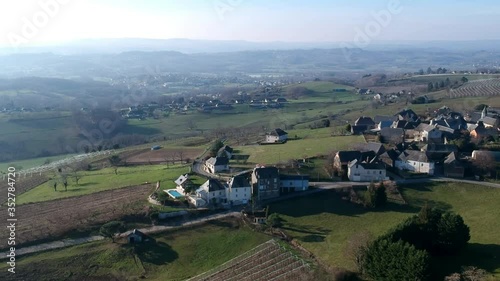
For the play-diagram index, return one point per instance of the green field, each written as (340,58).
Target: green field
(323,223)
(176,255)
(105,179)
(309,146)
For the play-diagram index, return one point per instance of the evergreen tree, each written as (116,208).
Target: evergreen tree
(380,196)
(385,260)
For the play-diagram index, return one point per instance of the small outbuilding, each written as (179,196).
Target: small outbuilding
(136,237)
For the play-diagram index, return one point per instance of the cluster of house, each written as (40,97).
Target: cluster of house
(141,111)
(144,111)
(220,163)
(415,145)
(262,183)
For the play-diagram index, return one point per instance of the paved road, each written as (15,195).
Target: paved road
(442,179)
(150,230)
(52,245)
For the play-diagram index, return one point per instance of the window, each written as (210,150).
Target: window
(236,195)
(380,172)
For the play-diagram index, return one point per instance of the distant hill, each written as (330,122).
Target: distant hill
(296,61)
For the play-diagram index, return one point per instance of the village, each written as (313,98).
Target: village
(401,147)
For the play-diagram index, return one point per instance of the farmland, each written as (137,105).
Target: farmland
(102,180)
(163,155)
(57,217)
(175,255)
(293,149)
(22,185)
(323,223)
(476,88)
(268,261)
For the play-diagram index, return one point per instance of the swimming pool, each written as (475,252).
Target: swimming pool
(174,193)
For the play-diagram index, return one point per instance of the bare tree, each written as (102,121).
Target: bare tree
(115,161)
(484,163)
(181,154)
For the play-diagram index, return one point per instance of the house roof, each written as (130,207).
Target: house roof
(239,182)
(225,148)
(407,114)
(414,155)
(213,185)
(490,121)
(452,158)
(367,166)
(403,124)
(266,172)
(429,128)
(385,124)
(364,120)
(446,129)
(358,129)
(392,134)
(182,179)
(278,132)
(136,232)
(483,132)
(218,161)
(390,154)
(348,156)
(376,147)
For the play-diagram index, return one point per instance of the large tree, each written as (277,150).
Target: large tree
(438,232)
(386,260)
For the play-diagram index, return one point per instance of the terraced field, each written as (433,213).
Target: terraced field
(57,217)
(266,262)
(489,87)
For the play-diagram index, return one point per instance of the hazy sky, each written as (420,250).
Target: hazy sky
(27,22)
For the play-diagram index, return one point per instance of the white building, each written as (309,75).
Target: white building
(181,183)
(277,135)
(360,171)
(430,133)
(415,161)
(212,191)
(238,190)
(216,165)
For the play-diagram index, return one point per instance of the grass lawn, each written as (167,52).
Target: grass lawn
(176,255)
(105,179)
(294,149)
(323,223)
